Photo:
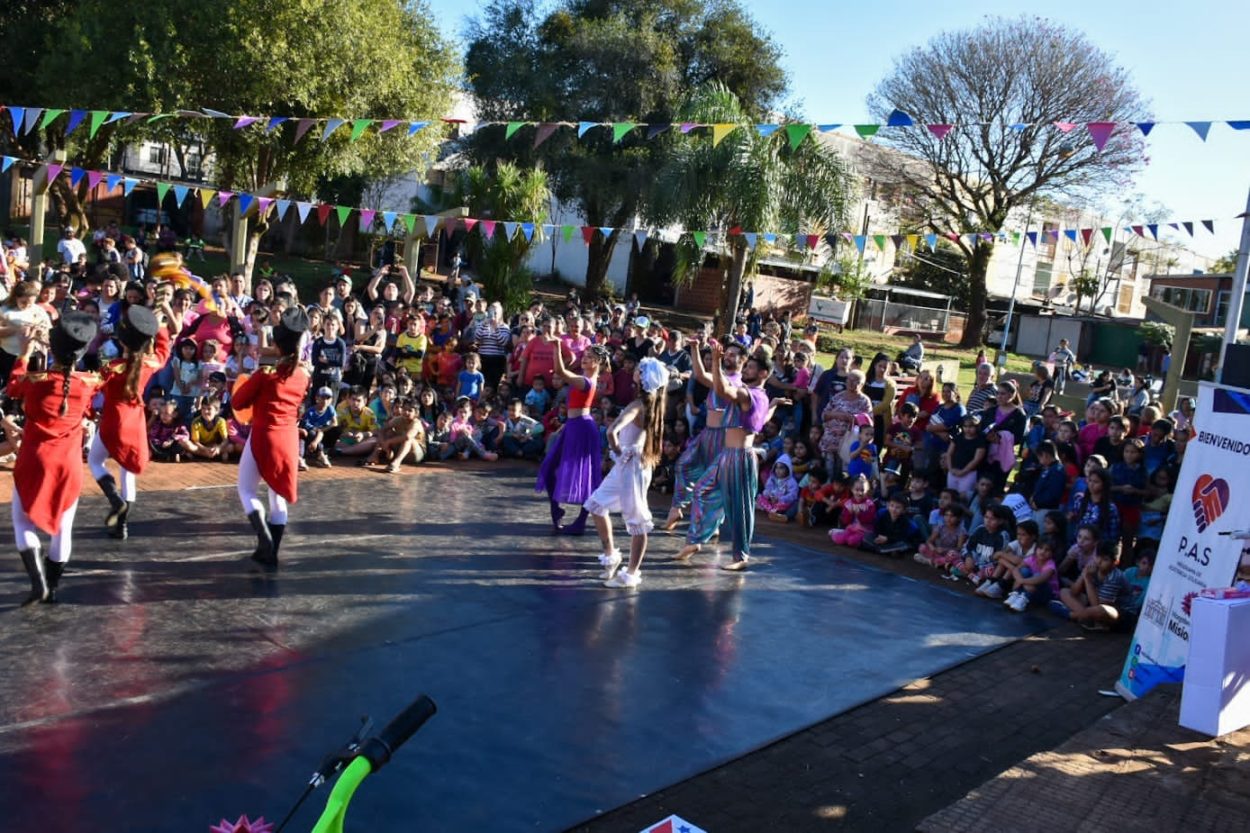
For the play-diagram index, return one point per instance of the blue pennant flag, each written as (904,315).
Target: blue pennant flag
(1239,125)
(417,126)
(331,126)
(75,118)
(899,119)
(1209,225)
(751,238)
(117,116)
(113,180)
(32,118)
(180,194)
(509,230)
(583,126)
(767,129)
(769,237)
(1145,127)
(640,238)
(528,230)
(18,114)
(283,207)
(75,176)
(245,202)
(1200,127)
(1019,127)
(931,241)
(606,231)
(860,240)
(303,208)
(1154,230)
(128,185)
(827,128)
(7,163)
(1070,233)
(275,121)
(388,218)
(548,229)
(431,224)
(1032,235)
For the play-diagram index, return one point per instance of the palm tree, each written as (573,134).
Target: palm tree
(747,182)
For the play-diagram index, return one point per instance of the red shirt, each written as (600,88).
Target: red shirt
(275,400)
(123,423)
(540,358)
(48,472)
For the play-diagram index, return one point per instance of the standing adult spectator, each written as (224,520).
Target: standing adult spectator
(1040,390)
(880,389)
(838,416)
(494,341)
(1004,425)
(830,382)
(70,248)
(983,390)
(21,320)
(134,258)
(1063,358)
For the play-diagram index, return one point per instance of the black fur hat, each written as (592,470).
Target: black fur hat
(137,327)
(290,329)
(70,337)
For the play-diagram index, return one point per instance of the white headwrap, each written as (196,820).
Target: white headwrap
(653,373)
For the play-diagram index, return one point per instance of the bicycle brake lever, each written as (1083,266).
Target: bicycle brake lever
(336,760)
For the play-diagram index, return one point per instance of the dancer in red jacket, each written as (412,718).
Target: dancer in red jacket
(47,477)
(272,452)
(123,430)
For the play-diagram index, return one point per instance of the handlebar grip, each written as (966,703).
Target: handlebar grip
(378,749)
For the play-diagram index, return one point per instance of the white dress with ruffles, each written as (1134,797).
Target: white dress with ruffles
(624,490)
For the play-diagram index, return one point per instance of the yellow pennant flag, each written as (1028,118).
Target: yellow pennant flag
(913,241)
(720,131)
(206,196)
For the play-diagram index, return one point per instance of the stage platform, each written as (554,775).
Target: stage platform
(173,687)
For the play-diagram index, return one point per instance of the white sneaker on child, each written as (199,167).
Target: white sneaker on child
(624,579)
(610,561)
(1018,602)
(991,590)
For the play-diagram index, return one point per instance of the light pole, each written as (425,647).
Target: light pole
(1015,287)
(1236,301)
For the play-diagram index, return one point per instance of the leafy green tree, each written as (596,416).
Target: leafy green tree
(746,182)
(607,61)
(1226,264)
(1006,83)
(944,271)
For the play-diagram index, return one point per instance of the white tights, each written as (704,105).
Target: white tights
(26,534)
(97,455)
(249,483)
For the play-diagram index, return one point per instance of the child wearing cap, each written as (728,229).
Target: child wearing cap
(314,424)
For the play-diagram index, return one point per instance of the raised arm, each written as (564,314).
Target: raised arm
(568,375)
(410,288)
(722,387)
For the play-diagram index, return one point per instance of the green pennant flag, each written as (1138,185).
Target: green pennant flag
(162,188)
(569,231)
(867,131)
(620,128)
(48,117)
(344,212)
(797,133)
(359,126)
(1106,232)
(410,220)
(160,116)
(700,238)
(512,128)
(1015,238)
(97,119)
(879,239)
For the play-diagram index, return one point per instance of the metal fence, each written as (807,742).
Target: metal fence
(891,316)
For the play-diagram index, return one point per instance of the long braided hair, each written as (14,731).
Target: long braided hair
(67,372)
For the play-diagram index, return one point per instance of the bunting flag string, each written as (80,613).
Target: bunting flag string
(367,219)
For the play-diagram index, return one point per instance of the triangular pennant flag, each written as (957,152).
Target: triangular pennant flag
(751,238)
(879,240)
(1200,127)
(899,119)
(6,162)
(244,121)
(431,224)
(1189,229)
(769,237)
(797,133)
(262,207)
(1145,127)
(588,234)
(1174,226)
(162,188)
(359,126)
(568,232)
(128,185)
(118,116)
(49,116)
(940,130)
(606,231)
(867,131)
(583,126)
(331,126)
(1015,238)
(720,131)
(509,230)
(389,124)
(323,212)
(1154,230)
(640,238)
(159,117)
(1065,126)
(1235,125)
(1106,232)
(1070,233)
(410,220)
(216,114)
(528,230)
(700,238)
(827,128)
(342,212)
(1209,225)
(1100,132)
(367,216)
(767,130)
(275,122)
(18,114)
(897,240)
(1086,234)
(544,132)
(223,197)
(301,127)
(75,176)
(620,129)
(75,118)
(488,229)
(113,181)
(654,130)
(54,170)
(97,119)
(388,219)
(302,209)
(469,223)
(283,207)
(1032,235)
(813,240)
(32,118)
(955,238)
(1140,231)
(245,203)
(417,126)
(206,196)
(931,241)
(180,194)
(860,241)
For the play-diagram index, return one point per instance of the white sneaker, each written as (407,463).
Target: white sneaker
(1018,603)
(1010,597)
(991,590)
(610,561)
(624,579)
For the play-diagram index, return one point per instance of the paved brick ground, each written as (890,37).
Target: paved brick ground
(1134,770)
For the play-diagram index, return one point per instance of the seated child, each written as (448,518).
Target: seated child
(522,434)
(902,437)
(168,433)
(209,437)
(1097,599)
(1138,579)
(946,541)
(920,501)
(537,399)
(402,438)
(1081,554)
(1013,555)
(1050,483)
(1154,511)
(357,426)
(978,554)
(1033,581)
(465,435)
(315,422)
(964,456)
(895,533)
(780,494)
(236,437)
(858,518)
(863,455)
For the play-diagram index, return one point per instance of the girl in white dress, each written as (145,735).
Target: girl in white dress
(635,440)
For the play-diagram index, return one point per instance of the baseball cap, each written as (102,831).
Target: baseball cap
(324,391)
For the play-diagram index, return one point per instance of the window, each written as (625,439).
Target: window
(1222,301)
(1041,278)
(194,165)
(157,154)
(1126,299)
(1047,242)
(1193,300)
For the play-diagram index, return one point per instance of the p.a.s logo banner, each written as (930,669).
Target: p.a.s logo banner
(1210,499)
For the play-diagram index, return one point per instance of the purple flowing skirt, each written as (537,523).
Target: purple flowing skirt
(573,467)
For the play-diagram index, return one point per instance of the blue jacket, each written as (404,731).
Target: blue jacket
(1048,493)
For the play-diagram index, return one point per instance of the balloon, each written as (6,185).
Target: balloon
(241,415)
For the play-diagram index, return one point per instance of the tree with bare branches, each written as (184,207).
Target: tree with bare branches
(1012,89)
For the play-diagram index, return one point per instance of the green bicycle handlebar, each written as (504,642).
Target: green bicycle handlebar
(331,820)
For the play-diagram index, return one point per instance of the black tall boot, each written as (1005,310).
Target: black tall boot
(578,527)
(54,568)
(117,506)
(264,555)
(276,531)
(33,562)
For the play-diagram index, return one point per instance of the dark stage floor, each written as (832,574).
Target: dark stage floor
(172,689)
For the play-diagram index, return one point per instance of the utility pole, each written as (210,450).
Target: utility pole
(1015,287)
(1236,302)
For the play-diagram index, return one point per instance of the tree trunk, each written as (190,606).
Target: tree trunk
(599,257)
(728,312)
(69,209)
(978,267)
(254,234)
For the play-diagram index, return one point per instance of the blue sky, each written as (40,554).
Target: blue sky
(1191,60)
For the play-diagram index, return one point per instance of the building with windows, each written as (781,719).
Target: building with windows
(1207,296)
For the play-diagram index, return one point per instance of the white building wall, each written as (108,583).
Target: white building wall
(568,260)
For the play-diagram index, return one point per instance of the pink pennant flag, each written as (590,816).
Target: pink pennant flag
(262,206)
(243,121)
(387,124)
(223,197)
(1065,126)
(686,127)
(366,218)
(952,236)
(93,179)
(54,170)
(488,229)
(1140,231)
(469,223)
(1100,132)
(940,130)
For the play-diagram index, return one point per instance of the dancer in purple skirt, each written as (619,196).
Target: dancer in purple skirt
(573,467)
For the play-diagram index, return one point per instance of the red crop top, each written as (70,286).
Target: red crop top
(579,398)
